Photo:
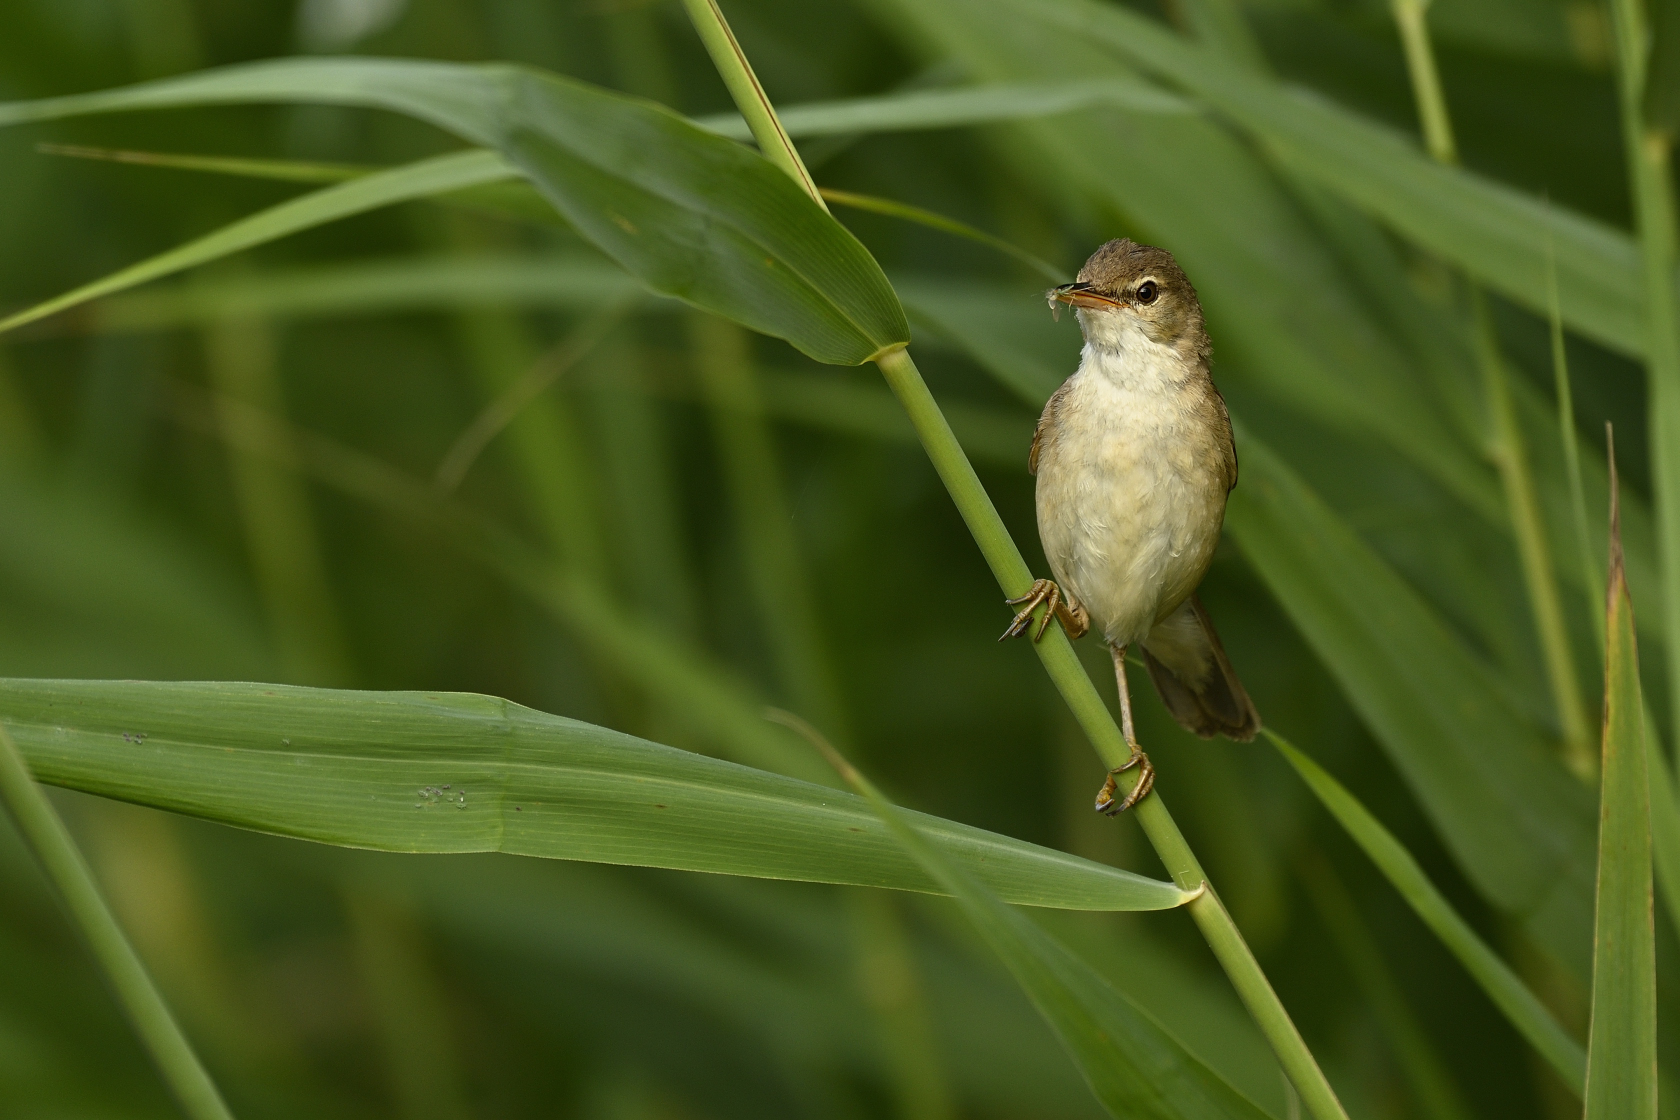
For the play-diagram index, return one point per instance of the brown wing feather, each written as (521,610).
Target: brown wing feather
(1047,423)
(1230,439)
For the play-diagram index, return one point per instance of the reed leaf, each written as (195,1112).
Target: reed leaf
(687,212)
(1622,1042)
(457,772)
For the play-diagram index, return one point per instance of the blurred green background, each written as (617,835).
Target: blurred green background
(136,542)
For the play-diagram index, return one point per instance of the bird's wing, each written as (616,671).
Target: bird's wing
(1230,438)
(1047,424)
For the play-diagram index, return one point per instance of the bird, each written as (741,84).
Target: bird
(1134,458)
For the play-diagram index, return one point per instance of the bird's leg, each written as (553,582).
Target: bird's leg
(1146,771)
(1075,619)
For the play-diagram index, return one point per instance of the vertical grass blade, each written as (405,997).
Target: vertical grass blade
(68,871)
(1135,1068)
(1505,436)
(1647,153)
(242,357)
(775,569)
(1571,445)
(1508,993)
(1622,1042)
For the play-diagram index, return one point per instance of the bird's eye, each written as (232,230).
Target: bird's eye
(1147,291)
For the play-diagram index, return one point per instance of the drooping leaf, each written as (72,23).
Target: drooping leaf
(1496,978)
(1517,822)
(685,211)
(456,772)
(1622,1042)
(1135,1068)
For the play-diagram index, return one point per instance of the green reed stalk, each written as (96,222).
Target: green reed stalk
(1055,651)
(1647,152)
(44,832)
(1572,451)
(1505,442)
(1069,676)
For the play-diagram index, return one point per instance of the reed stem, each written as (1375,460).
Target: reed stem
(62,861)
(1055,651)
(1647,151)
(1081,696)
(1505,442)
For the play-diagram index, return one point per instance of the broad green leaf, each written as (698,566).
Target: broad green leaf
(1135,1068)
(685,211)
(1502,985)
(1516,821)
(1622,1042)
(418,180)
(456,772)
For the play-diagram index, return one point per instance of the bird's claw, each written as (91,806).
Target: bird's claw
(1045,592)
(1146,782)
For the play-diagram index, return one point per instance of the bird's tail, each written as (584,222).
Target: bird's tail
(1195,678)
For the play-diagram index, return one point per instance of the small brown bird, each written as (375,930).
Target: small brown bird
(1134,459)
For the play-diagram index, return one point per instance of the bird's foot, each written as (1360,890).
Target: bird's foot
(1074,618)
(1145,783)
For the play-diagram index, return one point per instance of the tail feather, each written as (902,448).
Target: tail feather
(1194,677)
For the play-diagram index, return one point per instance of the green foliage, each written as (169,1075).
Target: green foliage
(1622,1048)
(689,214)
(1134,1067)
(414,772)
(680,524)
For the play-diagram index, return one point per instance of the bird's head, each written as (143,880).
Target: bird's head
(1126,289)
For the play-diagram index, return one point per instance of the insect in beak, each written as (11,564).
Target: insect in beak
(1080,294)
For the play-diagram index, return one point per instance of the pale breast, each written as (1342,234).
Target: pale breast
(1133,469)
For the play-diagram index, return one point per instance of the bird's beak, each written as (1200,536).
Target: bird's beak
(1079,294)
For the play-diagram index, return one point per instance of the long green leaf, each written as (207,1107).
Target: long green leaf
(1135,1068)
(1622,1042)
(456,772)
(417,180)
(1517,822)
(914,110)
(687,212)
(1502,985)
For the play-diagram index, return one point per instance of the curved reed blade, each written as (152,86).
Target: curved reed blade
(457,772)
